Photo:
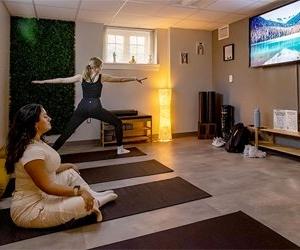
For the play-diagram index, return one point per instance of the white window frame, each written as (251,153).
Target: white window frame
(150,46)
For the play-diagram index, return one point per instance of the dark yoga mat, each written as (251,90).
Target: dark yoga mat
(132,200)
(150,196)
(99,155)
(231,231)
(112,173)
(123,171)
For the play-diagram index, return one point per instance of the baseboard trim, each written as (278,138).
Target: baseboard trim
(185,134)
(154,138)
(176,135)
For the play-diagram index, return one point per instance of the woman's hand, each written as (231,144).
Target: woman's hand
(88,199)
(37,82)
(66,166)
(141,80)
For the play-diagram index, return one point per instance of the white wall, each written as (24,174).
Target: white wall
(4,71)
(186,80)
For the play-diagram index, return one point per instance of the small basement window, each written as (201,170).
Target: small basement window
(121,45)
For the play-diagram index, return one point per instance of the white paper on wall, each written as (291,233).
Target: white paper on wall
(285,119)
(292,120)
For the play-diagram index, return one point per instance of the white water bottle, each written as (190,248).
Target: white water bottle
(256,118)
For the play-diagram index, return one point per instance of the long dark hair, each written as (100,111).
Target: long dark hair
(21,133)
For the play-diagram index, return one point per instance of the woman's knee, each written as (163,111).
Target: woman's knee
(67,177)
(72,171)
(68,172)
(58,211)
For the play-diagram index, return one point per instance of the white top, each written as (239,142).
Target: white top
(27,195)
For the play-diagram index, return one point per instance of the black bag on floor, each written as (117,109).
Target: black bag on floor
(239,137)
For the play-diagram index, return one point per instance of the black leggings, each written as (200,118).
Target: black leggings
(90,108)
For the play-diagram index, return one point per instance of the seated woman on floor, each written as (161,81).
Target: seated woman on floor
(47,193)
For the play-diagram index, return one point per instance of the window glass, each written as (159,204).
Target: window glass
(121,44)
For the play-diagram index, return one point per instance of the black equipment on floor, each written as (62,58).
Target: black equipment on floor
(227,120)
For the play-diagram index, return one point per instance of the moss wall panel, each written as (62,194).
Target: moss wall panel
(42,49)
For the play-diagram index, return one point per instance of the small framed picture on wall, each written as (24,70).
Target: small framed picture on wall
(228,52)
(184,58)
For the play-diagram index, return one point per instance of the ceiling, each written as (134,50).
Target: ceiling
(188,14)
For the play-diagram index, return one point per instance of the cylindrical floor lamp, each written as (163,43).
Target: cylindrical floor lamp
(165,133)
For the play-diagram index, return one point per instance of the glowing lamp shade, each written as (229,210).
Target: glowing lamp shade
(165,115)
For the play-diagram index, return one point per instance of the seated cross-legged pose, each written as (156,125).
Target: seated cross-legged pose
(47,193)
(90,106)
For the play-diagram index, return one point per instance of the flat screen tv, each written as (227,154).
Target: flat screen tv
(274,36)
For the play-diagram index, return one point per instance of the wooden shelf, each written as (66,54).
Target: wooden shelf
(280,148)
(271,143)
(141,130)
(281,132)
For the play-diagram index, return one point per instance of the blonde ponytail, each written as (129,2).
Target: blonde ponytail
(94,62)
(86,74)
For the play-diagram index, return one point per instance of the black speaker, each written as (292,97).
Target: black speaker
(219,102)
(211,107)
(203,116)
(209,117)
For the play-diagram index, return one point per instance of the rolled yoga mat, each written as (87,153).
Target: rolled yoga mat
(111,173)
(132,200)
(231,231)
(99,155)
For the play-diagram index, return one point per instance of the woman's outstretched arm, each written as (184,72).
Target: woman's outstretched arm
(72,79)
(110,78)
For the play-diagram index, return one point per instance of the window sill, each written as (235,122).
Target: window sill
(118,66)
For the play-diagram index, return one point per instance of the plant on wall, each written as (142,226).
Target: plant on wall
(42,49)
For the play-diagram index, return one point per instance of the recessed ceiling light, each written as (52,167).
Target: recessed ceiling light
(187,3)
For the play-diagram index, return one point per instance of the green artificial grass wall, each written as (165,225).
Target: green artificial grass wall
(42,49)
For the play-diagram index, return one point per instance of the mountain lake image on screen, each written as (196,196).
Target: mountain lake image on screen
(275,36)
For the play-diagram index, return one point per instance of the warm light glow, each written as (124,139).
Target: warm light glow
(165,115)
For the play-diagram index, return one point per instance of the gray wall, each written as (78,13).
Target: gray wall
(269,88)
(188,79)
(4,71)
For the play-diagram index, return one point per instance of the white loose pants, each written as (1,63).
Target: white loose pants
(56,210)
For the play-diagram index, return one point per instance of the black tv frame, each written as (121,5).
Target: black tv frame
(249,37)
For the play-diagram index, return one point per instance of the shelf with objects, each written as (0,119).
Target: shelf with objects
(267,138)
(137,127)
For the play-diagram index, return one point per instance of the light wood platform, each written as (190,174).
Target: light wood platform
(271,142)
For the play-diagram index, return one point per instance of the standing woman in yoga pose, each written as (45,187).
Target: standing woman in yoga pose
(90,106)
(47,193)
